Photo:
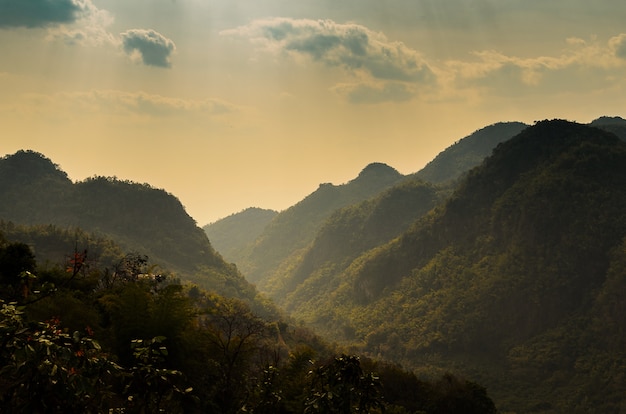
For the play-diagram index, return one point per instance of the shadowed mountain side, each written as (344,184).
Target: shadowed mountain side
(348,233)
(512,280)
(230,234)
(295,228)
(468,152)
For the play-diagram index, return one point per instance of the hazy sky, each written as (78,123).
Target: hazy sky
(229,104)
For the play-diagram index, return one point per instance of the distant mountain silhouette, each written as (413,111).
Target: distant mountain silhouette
(295,227)
(229,235)
(613,124)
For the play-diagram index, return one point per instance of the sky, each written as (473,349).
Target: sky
(229,104)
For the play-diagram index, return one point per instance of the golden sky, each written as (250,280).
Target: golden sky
(229,104)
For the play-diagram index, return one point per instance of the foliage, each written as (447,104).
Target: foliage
(341,387)
(131,341)
(46,369)
(512,280)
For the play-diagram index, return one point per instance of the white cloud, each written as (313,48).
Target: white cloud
(582,64)
(151,47)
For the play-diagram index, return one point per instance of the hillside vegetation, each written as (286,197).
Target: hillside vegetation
(512,280)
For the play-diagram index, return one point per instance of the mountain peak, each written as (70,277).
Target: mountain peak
(26,165)
(378,169)
(608,120)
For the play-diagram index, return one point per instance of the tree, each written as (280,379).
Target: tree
(235,336)
(341,387)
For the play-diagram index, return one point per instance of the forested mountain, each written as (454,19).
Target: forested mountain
(138,217)
(239,244)
(468,152)
(517,279)
(613,124)
(295,228)
(230,234)
(87,327)
(315,271)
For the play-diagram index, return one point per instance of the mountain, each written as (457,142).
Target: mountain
(345,235)
(516,280)
(468,152)
(519,258)
(230,234)
(28,182)
(140,218)
(613,124)
(294,228)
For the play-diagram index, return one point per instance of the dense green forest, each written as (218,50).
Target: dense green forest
(102,331)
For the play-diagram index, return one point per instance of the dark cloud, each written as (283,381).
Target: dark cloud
(153,48)
(351,46)
(38,13)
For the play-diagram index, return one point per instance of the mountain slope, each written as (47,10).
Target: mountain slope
(614,124)
(295,227)
(468,152)
(511,281)
(345,235)
(231,234)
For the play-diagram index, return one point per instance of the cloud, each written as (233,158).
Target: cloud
(151,47)
(117,107)
(352,47)
(581,65)
(618,45)
(89,30)
(39,13)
